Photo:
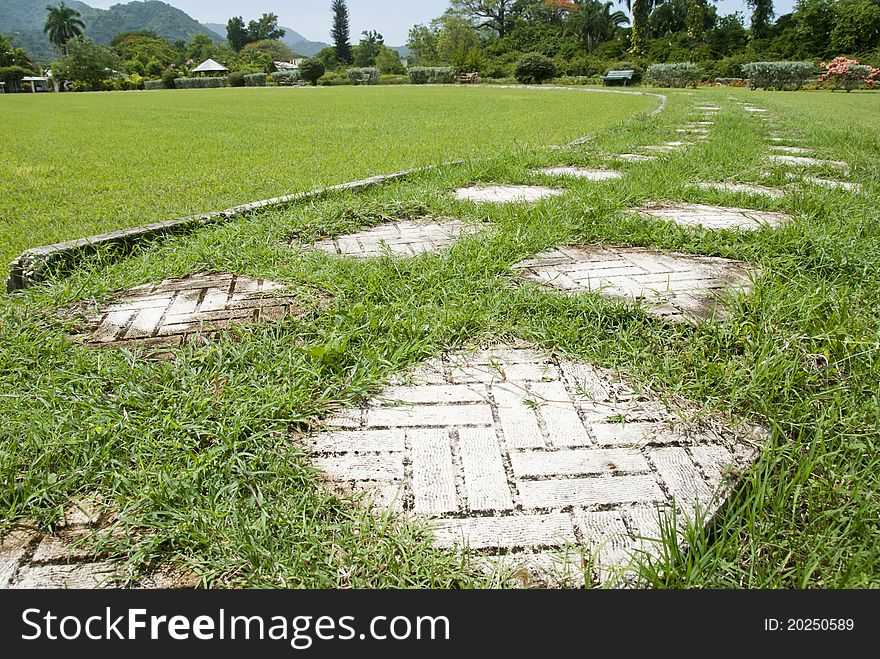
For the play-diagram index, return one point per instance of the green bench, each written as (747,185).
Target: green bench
(617,77)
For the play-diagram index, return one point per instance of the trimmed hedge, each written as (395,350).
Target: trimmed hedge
(199,83)
(334,79)
(255,80)
(674,74)
(778,75)
(153,84)
(368,75)
(286,77)
(431,75)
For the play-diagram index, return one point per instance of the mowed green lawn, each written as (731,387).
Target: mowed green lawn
(73,165)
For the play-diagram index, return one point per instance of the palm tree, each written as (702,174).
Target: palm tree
(640,10)
(595,22)
(63,24)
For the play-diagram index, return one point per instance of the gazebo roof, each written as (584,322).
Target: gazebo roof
(209,66)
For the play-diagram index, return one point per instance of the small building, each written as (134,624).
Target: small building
(290,65)
(210,67)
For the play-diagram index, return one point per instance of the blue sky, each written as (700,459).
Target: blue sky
(311,18)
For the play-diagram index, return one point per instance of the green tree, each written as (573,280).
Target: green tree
(389,62)
(340,32)
(857,26)
(236,33)
(594,22)
(497,15)
(815,21)
(311,69)
(139,49)
(457,38)
(264,28)
(638,35)
(762,14)
(422,42)
(276,50)
(328,58)
(87,62)
(368,49)
(695,19)
(63,23)
(729,36)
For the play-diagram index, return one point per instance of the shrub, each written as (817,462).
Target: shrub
(169,77)
(534,69)
(235,79)
(497,71)
(255,80)
(286,77)
(368,75)
(334,79)
(431,75)
(394,80)
(200,83)
(151,85)
(778,75)
(842,72)
(311,69)
(134,81)
(674,74)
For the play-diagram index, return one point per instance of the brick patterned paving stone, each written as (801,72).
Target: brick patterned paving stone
(580,172)
(543,455)
(676,287)
(724,186)
(398,239)
(30,558)
(715,217)
(502,194)
(802,161)
(166,313)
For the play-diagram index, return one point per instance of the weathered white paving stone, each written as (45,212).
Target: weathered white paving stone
(801,161)
(635,157)
(724,186)
(30,558)
(580,172)
(500,194)
(715,217)
(708,108)
(398,239)
(827,183)
(166,313)
(673,286)
(753,109)
(693,124)
(518,487)
(795,150)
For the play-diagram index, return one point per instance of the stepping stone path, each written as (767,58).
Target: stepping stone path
(774,193)
(635,157)
(676,287)
(513,451)
(168,312)
(666,147)
(715,217)
(398,239)
(708,108)
(33,559)
(500,194)
(801,161)
(579,172)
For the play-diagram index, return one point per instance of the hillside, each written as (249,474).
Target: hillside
(24,19)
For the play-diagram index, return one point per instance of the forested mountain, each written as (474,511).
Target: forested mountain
(24,19)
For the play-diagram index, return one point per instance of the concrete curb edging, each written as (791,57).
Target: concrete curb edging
(32,265)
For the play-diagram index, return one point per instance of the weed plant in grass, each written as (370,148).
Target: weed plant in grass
(73,165)
(205,451)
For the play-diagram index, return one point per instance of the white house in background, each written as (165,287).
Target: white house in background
(209,66)
(290,65)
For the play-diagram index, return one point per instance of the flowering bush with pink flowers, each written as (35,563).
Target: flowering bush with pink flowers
(842,72)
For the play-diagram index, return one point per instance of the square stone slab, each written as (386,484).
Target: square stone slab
(398,239)
(723,186)
(673,286)
(751,109)
(580,172)
(801,161)
(516,452)
(708,108)
(503,194)
(164,314)
(826,183)
(715,217)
